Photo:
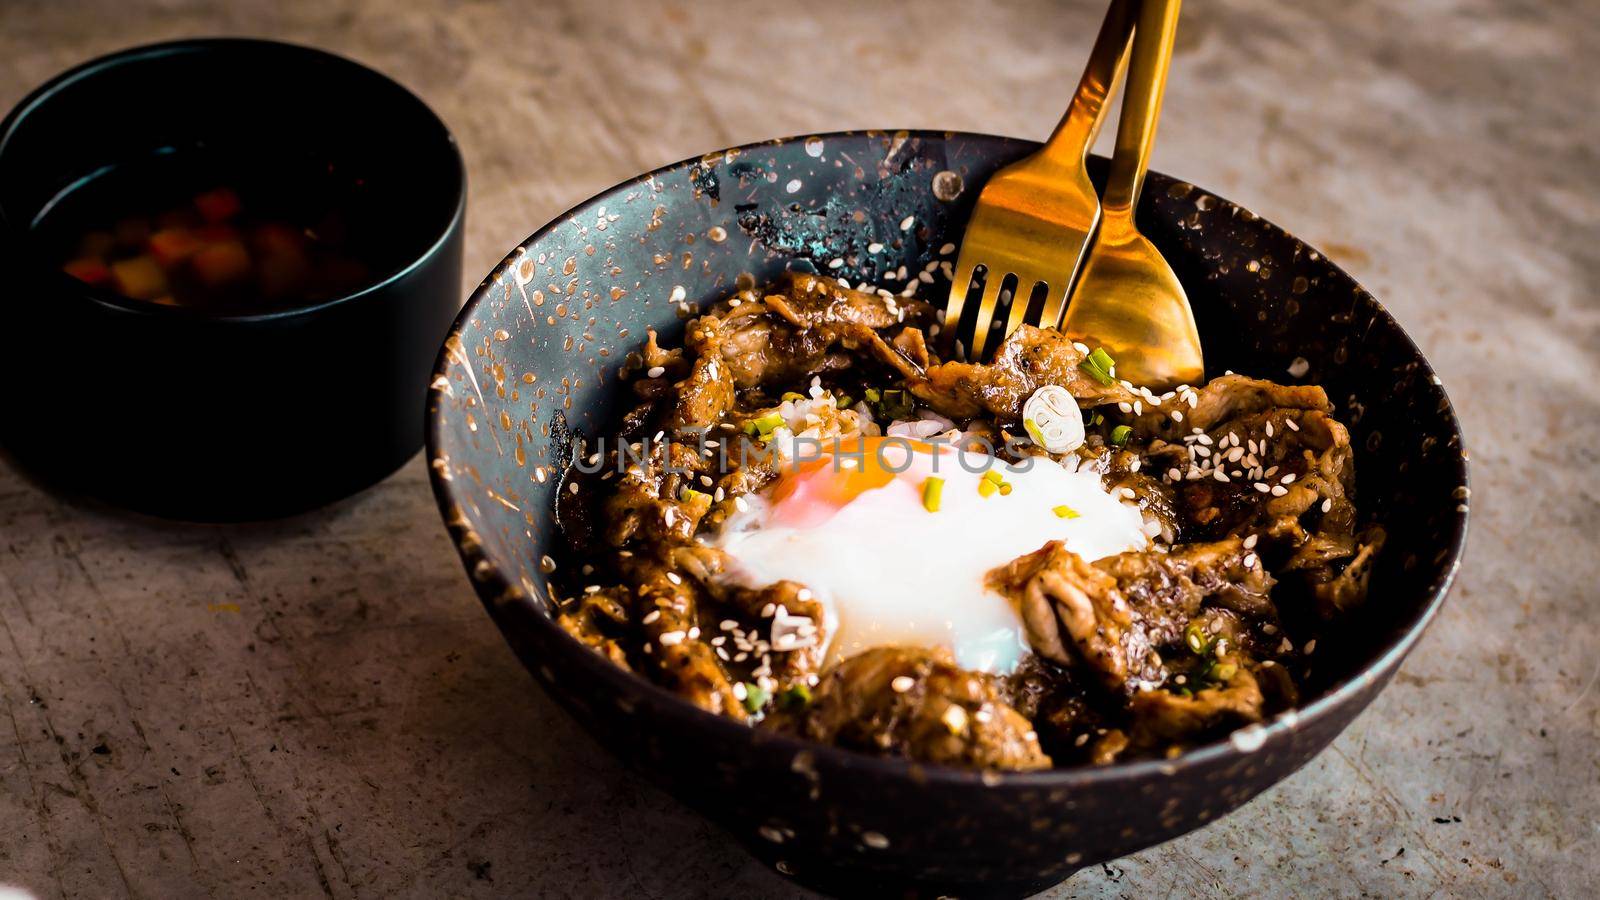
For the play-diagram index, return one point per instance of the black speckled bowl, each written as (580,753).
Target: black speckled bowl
(533,357)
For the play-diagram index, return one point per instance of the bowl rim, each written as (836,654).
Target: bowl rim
(11,230)
(491,584)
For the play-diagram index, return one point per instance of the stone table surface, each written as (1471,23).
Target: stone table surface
(319,706)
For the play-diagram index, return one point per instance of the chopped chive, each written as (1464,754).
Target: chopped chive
(755,696)
(1224,672)
(1195,636)
(1096,419)
(843,401)
(791,395)
(1005,488)
(1098,365)
(690,495)
(1119,434)
(987,488)
(1065,512)
(932,490)
(994,476)
(873,395)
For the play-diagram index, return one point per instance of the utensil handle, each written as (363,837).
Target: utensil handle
(1153,37)
(1075,133)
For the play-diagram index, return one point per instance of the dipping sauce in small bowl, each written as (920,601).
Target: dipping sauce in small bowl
(222,235)
(226,304)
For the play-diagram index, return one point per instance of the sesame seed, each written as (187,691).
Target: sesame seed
(1287,479)
(902,683)
(1293,426)
(1250,542)
(1311,646)
(1125,406)
(874,247)
(671,638)
(1220,476)
(1262,487)
(1174,474)
(835,263)
(1279,490)
(874,840)
(1268,429)
(572,488)
(1082,739)
(1177,416)
(955,718)
(674,577)
(1250,561)
(907,222)
(947,249)
(656,372)
(1127,493)
(1327,504)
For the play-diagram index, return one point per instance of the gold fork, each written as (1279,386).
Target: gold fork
(1035,217)
(1127,298)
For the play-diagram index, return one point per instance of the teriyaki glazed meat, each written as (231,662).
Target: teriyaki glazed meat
(810,522)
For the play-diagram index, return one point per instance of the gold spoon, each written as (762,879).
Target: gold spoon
(1127,298)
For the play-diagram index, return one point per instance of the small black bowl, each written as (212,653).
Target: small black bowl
(532,360)
(198,415)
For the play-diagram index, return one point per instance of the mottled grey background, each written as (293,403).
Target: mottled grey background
(320,707)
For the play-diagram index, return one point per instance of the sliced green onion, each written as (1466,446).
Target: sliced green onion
(1065,512)
(843,401)
(1195,636)
(755,696)
(791,395)
(994,476)
(768,423)
(987,488)
(796,697)
(1096,419)
(873,395)
(690,495)
(1005,488)
(932,491)
(1098,365)
(1224,672)
(1119,434)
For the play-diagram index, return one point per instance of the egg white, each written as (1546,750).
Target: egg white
(890,572)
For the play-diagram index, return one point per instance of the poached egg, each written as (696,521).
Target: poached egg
(894,537)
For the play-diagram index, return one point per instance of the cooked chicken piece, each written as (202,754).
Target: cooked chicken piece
(598,619)
(1028,360)
(1164,717)
(1113,615)
(916,703)
(681,660)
